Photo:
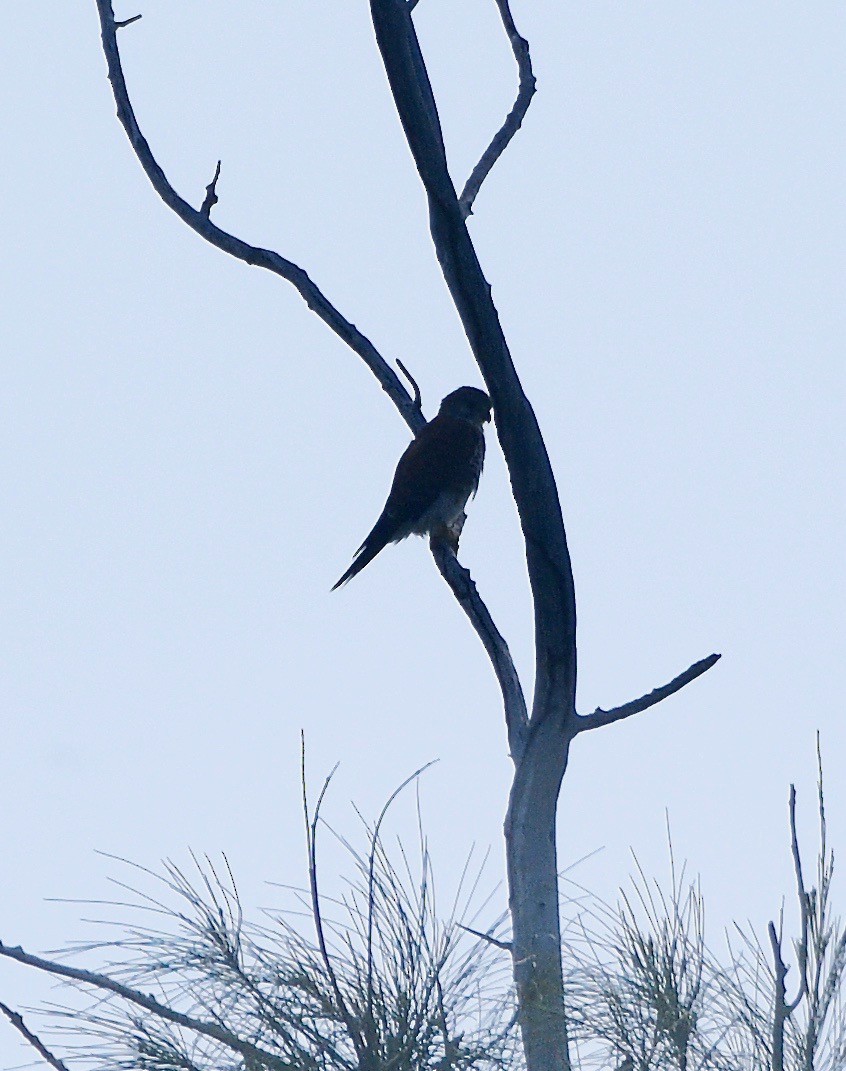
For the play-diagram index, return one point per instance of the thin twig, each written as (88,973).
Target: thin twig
(316,911)
(506,946)
(514,119)
(418,400)
(211,197)
(371,879)
(602,717)
(119,25)
(17,1022)
(142,1000)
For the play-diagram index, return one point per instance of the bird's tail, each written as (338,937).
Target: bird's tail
(377,540)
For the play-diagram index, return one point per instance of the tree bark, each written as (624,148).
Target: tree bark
(532,862)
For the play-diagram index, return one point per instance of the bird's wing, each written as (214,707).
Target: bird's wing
(445,456)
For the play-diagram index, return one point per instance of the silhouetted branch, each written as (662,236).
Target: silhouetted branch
(311,821)
(529,468)
(211,197)
(602,717)
(200,223)
(514,119)
(781,1009)
(104,983)
(126,22)
(17,1022)
(464,589)
(804,907)
(418,399)
(491,940)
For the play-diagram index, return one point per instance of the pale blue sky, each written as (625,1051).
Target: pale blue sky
(189,458)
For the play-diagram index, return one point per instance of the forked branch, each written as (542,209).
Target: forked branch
(514,119)
(820,953)
(410,408)
(540,765)
(529,468)
(602,717)
(804,904)
(198,220)
(781,1009)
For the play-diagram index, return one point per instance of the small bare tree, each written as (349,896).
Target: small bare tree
(539,733)
(806,1030)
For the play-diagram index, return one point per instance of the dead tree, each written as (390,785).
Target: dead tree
(539,733)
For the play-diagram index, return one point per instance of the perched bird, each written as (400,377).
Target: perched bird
(438,472)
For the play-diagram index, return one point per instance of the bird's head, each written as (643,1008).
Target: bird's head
(467,403)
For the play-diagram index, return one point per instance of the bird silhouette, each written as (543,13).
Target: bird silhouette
(434,478)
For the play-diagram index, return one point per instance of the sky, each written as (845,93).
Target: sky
(189,457)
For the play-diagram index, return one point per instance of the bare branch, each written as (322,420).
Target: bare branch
(418,399)
(514,119)
(467,596)
(150,1004)
(804,908)
(199,221)
(262,258)
(506,946)
(602,717)
(126,22)
(17,1022)
(211,197)
(781,1011)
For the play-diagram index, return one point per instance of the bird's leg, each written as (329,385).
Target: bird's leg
(449,533)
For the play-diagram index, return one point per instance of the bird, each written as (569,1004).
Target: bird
(434,478)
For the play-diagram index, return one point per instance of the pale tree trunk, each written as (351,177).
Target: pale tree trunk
(533,902)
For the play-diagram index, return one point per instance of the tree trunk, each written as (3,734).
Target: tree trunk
(542,744)
(533,899)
